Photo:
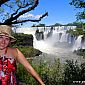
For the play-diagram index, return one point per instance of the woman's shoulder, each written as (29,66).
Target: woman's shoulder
(13,51)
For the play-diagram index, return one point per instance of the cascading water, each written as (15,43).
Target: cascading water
(55,41)
(78,44)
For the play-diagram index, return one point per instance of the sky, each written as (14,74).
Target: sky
(59,11)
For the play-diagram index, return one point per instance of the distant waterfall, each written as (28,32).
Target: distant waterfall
(55,42)
(58,37)
(54,39)
(78,43)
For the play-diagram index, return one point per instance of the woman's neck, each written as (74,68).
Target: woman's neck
(3,51)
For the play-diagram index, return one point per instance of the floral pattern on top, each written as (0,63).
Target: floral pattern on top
(7,71)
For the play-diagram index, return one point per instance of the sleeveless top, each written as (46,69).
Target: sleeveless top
(7,70)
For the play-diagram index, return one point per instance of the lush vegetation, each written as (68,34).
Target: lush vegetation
(23,39)
(53,74)
(79,4)
(79,24)
(76,32)
(29,51)
(74,72)
(80,52)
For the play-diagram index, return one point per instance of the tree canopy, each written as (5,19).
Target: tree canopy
(81,5)
(12,10)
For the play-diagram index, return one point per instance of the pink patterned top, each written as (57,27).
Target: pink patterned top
(7,70)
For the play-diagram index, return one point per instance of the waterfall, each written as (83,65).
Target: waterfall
(78,44)
(55,42)
(54,39)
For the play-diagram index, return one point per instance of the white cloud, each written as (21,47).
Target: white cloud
(38,16)
(30,16)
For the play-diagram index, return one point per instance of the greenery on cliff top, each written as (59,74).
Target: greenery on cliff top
(76,32)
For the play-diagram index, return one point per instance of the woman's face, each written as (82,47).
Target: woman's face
(4,42)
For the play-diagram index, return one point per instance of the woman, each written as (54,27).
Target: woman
(8,58)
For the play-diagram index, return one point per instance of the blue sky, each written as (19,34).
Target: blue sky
(60,11)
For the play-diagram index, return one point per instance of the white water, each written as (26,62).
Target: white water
(60,46)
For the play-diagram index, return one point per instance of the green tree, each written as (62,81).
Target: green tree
(41,25)
(57,24)
(11,11)
(76,32)
(73,71)
(79,4)
(76,23)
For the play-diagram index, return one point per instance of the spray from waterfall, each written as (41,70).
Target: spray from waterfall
(54,40)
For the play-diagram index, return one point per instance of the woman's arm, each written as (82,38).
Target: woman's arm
(20,58)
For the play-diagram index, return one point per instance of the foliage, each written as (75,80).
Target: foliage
(81,5)
(81,52)
(29,51)
(73,72)
(15,11)
(21,74)
(76,32)
(57,24)
(41,25)
(23,39)
(51,74)
(78,24)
